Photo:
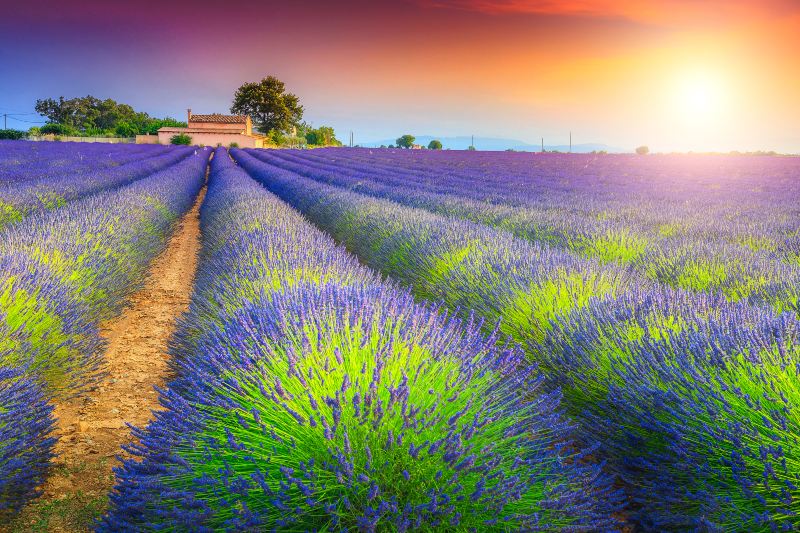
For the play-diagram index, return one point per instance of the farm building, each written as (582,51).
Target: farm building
(216,129)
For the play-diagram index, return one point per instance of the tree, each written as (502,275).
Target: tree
(322,136)
(154,124)
(86,112)
(406,141)
(471,148)
(642,150)
(54,110)
(435,145)
(125,129)
(89,115)
(268,104)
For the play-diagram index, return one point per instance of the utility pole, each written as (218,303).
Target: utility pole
(5,121)
(472,143)
(542,144)
(570,142)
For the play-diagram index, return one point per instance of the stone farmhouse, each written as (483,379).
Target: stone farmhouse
(216,129)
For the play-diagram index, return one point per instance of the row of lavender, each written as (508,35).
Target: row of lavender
(312,396)
(701,224)
(61,274)
(21,161)
(695,191)
(694,400)
(56,181)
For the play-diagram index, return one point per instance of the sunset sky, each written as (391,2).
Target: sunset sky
(672,74)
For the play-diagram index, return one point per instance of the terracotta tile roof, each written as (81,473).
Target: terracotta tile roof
(220,119)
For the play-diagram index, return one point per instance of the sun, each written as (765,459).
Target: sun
(699,95)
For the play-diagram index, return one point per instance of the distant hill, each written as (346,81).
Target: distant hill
(497,143)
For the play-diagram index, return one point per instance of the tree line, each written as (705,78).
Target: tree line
(408,141)
(275,112)
(95,117)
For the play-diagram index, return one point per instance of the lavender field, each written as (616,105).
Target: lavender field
(400,340)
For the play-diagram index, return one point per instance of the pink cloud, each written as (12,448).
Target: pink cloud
(666,12)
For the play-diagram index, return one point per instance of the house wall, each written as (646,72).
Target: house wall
(147,139)
(237,128)
(214,138)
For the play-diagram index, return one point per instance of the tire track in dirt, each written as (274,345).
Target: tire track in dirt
(92,428)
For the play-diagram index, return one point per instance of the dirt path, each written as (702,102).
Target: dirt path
(91,429)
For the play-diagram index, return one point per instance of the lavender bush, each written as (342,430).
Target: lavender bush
(690,394)
(61,273)
(703,223)
(694,402)
(467,265)
(316,397)
(65,271)
(50,182)
(25,445)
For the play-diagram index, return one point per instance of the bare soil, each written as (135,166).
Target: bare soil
(92,428)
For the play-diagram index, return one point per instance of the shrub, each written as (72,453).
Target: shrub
(58,129)
(234,145)
(93,131)
(642,150)
(181,138)
(13,135)
(276,137)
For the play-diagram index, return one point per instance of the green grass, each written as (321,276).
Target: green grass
(76,511)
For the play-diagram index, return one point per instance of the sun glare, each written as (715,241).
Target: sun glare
(699,96)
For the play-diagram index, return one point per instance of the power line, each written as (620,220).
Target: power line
(6,111)
(23,120)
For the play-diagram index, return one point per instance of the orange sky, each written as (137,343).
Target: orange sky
(673,74)
(620,71)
